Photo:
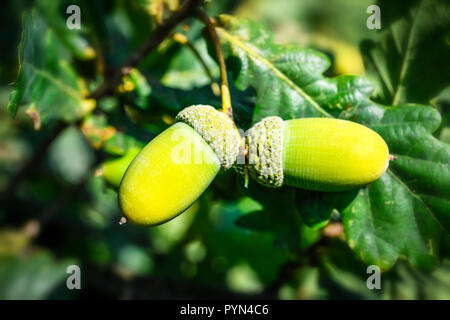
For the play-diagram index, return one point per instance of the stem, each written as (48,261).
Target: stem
(160,12)
(186,10)
(174,5)
(392,157)
(181,38)
(210,26)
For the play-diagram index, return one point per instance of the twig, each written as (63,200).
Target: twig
(160,12)
(159,34)
(210,26)
(181,38)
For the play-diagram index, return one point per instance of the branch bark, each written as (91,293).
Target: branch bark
(211,28)
(186,10)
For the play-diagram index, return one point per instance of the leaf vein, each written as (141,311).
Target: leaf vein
(275,70)
(74,94)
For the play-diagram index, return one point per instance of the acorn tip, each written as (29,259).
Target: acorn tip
(392,157)
(99,172)
(122,221)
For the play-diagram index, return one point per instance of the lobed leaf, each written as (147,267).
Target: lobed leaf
(410,60)
(31,277)
(47,82)
(288,79)
(406,212)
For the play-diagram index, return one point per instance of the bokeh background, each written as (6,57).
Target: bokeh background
(57,209)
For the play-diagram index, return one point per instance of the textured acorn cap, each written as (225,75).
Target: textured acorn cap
(217,129)
(265,151)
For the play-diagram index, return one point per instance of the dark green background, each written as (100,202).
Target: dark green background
(233,242)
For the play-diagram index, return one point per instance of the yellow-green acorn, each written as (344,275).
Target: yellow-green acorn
(320,154)
(174,169)
(113,170)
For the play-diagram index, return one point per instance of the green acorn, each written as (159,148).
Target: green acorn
(320,154)
(176,167)
(114,169)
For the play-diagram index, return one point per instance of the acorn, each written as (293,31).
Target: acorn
(321,154)
(113,170)
(176,167)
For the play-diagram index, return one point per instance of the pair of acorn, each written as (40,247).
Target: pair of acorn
(176,167)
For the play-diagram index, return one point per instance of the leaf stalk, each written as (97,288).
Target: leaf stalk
(211,28)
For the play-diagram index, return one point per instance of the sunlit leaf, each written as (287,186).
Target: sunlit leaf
(415,192)
(47,80)
(410,60)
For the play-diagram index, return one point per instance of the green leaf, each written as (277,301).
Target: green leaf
(173,100)
(97,131)
(228,245)
(114,169)
(120,143)
(288,79)
(136,89)
(410,61)
(70,156)
(143,89)
(73,39)
(258,220)
(406,212)
(153,6)
(409,207)
(279,217)
(185,71)
(341,275)
(316,208)
(423,161)
(31,277)
(46,80)
(340,269)
(443,103)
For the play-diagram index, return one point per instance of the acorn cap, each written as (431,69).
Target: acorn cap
(217,129)
(265,152)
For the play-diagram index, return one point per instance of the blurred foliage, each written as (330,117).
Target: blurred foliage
(233,241)
(413,32)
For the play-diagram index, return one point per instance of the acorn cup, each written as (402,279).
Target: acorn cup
(176,167)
